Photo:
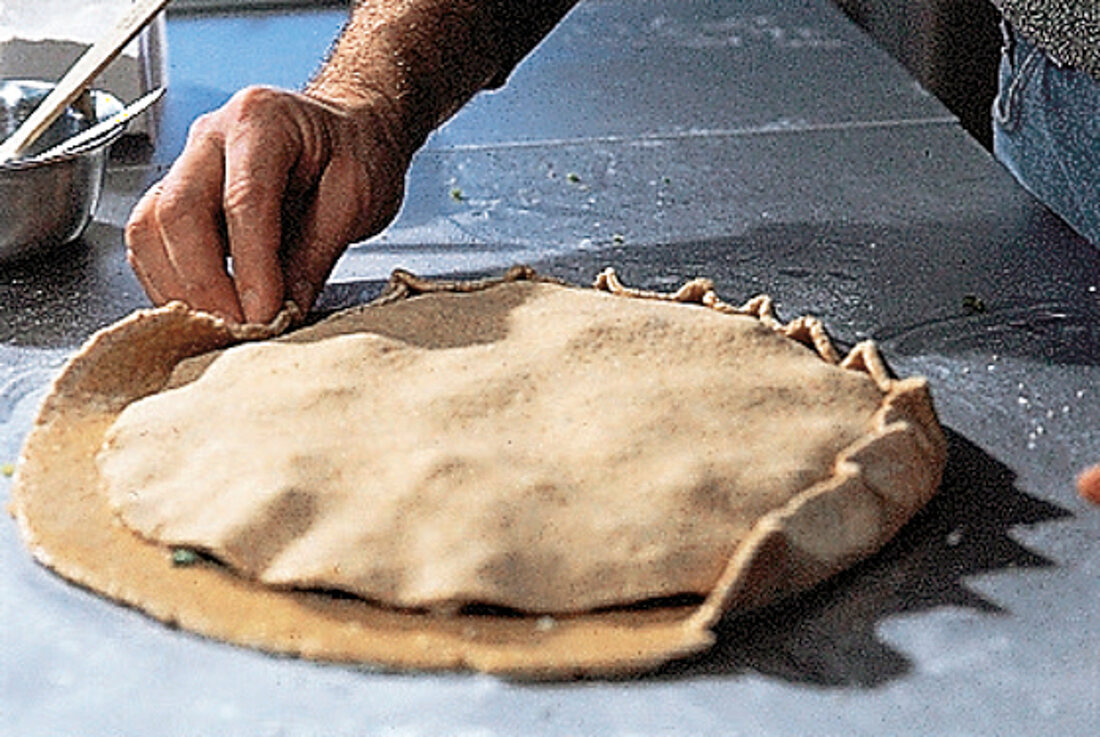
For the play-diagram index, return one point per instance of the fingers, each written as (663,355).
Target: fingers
(331,221)
(257,169)
(222,198)
(145,252)
(189,214)
(275,183)
(175,238)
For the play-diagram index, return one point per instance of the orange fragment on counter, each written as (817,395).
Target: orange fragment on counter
(1088,484)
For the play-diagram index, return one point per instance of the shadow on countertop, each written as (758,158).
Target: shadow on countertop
(827,636)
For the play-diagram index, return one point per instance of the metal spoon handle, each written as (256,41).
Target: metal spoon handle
(86,68)
(135,108)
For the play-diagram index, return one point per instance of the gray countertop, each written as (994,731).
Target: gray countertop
(771,146)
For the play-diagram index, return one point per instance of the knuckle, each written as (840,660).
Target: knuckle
(253,95)
(141,226)
(202,127)
(178,218)
(171,206)
(136,233)
(252,102)
(246,197)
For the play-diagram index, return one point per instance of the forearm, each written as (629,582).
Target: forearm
(425,58)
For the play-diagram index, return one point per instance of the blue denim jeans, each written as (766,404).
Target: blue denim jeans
(1046,131)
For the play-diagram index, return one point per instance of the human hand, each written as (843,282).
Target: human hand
(277,184)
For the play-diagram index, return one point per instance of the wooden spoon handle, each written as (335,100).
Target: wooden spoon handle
(86,68)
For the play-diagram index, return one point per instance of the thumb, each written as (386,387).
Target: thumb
(331,221)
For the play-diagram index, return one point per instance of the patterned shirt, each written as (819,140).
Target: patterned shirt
(1068,30)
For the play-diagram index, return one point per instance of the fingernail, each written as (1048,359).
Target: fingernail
(255,309)
(250,303)
(303,293)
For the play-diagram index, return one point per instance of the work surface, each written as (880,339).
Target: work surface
(770,146)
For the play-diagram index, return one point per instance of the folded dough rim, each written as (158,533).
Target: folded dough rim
(878,483)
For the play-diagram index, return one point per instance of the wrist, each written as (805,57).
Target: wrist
(379,114)
(420,60)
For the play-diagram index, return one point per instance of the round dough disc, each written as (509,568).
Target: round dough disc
(599,477)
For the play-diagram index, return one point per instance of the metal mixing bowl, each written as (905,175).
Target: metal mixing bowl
(48,202)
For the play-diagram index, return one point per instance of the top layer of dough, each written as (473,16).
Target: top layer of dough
(531,446)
